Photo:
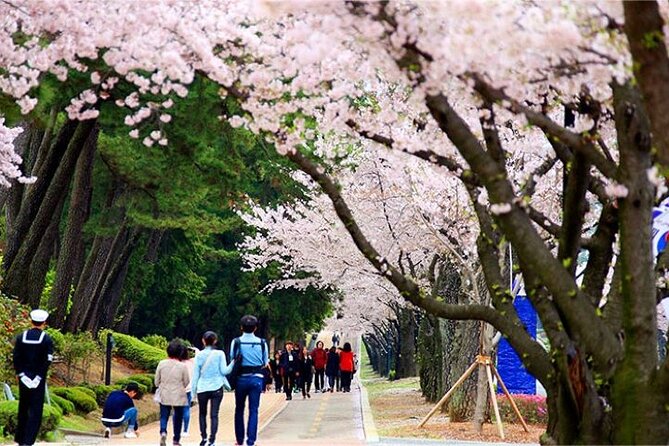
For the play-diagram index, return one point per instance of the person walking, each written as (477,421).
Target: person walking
(209,380)
(120,410)
(332,368)
(306,372)
(275,366)
(172,380)
(346,366)
(251,381)
(32,356)
(320,357)
(289,369)
(189,360)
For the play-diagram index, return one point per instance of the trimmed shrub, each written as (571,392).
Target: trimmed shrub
(9,414)
(532,408)
(101,391)
(142,388)
(66,406)
(157,341)
(145,379)
(86,390)
(139,353)
(83,401)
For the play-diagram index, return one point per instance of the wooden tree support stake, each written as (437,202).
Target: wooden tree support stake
(485,362)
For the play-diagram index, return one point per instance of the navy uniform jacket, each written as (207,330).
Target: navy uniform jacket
(287,364)
(33,353)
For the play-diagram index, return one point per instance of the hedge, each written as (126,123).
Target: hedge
(142,388)
(145,379)
(82,399)
(139,353)
(9,414)
(532,408)
(65,405)
(101,391)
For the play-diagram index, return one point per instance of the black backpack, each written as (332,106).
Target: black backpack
(237,368)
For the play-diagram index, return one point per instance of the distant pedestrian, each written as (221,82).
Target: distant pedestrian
(33,353)
(332,368)
(320,357)
(172,380)
(209,380)
(275,366)
(346,366)
(188,359)
(251,381)
(306,372)
(289,369)
(119,410)
(335,339)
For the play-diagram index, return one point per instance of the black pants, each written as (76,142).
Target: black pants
(278,383)
(31,406)
(305,384)
(215,397)
(288,383)
(319,382)
(346,378)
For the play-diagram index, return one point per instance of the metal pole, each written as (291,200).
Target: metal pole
(108,359)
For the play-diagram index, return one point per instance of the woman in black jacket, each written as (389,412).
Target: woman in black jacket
(332,367)
(306,372)
(274,365)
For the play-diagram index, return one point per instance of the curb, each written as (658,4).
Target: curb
(276,413)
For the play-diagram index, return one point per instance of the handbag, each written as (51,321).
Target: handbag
(156,396)
(237,367)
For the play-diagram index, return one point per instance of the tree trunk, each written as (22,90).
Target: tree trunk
(44,171)
(406,358)
(73,245)
(17,265)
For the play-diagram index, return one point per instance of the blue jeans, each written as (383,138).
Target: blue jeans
(129,418)
(189,395)
(177,420)
(247,386)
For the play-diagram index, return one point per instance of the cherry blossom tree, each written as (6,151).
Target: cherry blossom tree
(497,94)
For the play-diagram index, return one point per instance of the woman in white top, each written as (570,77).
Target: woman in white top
(172,379)
(208,383)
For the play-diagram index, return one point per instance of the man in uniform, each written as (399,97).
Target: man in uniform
(33,353)
(251,381)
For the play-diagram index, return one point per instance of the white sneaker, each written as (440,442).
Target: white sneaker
(185,434)
(130,433)
(107,433)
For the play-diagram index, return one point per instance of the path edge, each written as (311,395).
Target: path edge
(273,416)
(368,425)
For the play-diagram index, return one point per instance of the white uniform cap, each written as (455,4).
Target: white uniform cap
(38,315)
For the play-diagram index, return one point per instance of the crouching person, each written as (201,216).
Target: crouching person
(120,410)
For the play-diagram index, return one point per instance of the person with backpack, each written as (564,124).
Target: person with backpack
(209,380)
(251,351)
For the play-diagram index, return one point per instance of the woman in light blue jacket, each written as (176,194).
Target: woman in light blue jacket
(208,383)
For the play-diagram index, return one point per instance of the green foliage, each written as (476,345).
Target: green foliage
(392,375)
(139,353)
(145,379)
(9,411)
(157,341)
(101,391)
(77,350)
(58,339)
(13,320)
(66,406)
(143,389)
(532,408)
(83,399)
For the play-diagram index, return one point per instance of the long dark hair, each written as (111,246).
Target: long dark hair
(347,347)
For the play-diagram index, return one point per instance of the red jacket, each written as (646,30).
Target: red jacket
(320,357)
(346,361)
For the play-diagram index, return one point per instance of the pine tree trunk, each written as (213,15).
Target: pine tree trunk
(72,246)
(17,270)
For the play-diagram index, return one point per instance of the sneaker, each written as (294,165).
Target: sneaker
(308,395)
(185,434)
(130,433)
(203,442)
(107,433)
(163,439)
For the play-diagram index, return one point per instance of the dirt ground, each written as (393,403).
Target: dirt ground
(397,412)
